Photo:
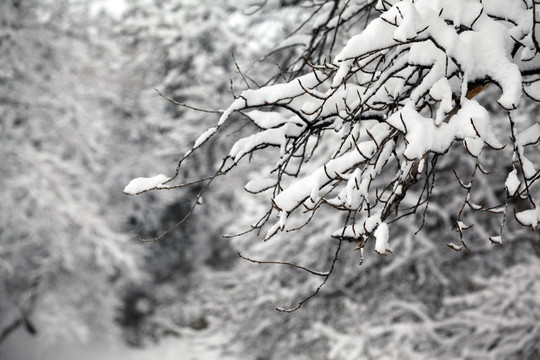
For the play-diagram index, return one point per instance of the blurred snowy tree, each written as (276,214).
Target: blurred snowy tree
(64,257)
(386,141)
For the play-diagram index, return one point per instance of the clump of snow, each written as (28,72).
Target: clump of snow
(529,136)
(455,247)
(348,232)
(258,185)
(496,240)
(424,135)
(512,183)
(205,136)
(485,51)
(529,217)
(266,119)
(442,91)
(142,184)
(381,239)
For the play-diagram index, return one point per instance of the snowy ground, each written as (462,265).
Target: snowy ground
(21,346)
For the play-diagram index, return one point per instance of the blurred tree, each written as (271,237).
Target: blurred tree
(64,258)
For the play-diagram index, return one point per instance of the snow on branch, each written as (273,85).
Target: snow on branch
(357,132)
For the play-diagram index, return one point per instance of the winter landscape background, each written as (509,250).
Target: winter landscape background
(80,118)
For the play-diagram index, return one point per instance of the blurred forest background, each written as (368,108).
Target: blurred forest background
(79,118)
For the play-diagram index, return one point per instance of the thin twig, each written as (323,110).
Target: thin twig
(318,273)
(188,106)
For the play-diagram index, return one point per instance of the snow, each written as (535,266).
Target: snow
(372,223)
(381,236)
(258,185)
(348,232)
(455,247)
(529,217)
(391,104)
(277,137)
(529,170)
(205,136)
(142,184)
(371,123)
(497,240)
(424,135)
(266,119)
(462,226)
(480,53)
(296,193)
(442,91)
(474,146)
(288,93)
(352,200)
(429,51)
(191,346)
(512,183)
(529,136)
